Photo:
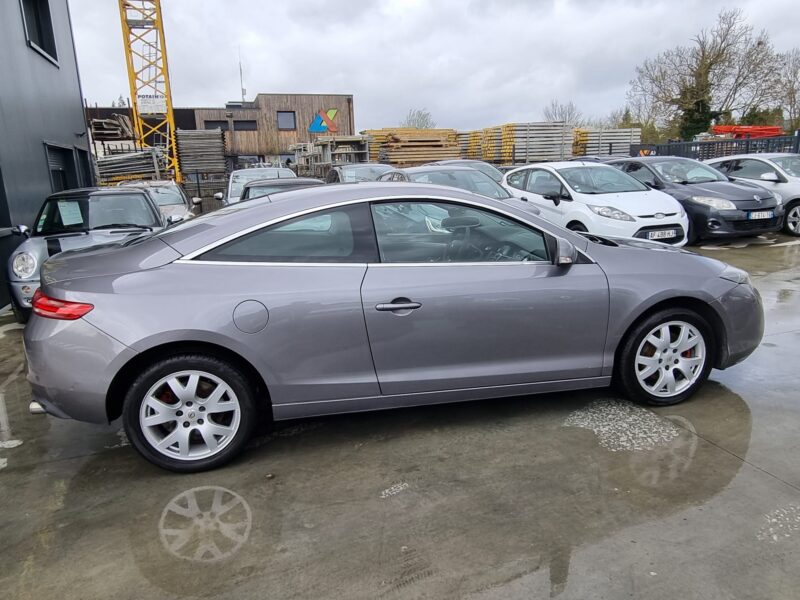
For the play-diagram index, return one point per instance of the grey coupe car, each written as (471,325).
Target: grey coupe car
(357,297)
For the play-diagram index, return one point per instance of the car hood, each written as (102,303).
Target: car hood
(637,204)
(729,190)
(108,259)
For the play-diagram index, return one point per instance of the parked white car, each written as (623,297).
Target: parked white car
(239,178)
(593,197)
(778,172)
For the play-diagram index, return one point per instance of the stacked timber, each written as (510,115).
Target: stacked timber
(605,142)
(463,143)
(474,146)
(408,146)
(491,144)
(533,142)
(118,127)
(147,163)
(201,150)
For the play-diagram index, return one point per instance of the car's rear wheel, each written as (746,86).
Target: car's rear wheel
(189,413)
(21,313)
(791,223)
(666,357)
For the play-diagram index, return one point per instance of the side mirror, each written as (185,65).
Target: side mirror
(218,196)
(566,253)
(172,219)
(196,201)
(555,197)
(21,230)
(770,176)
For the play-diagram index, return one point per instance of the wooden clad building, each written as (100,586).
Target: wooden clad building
(265,128)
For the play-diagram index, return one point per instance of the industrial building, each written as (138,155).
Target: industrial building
(44,146)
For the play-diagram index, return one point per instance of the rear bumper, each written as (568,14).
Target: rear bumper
(70,367)
(743,316)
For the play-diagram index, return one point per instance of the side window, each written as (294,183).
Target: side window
(517,180)
(641,173)
(543,183)
(750,169)
(337,235)
(722,167)
(439,232)
(333,176)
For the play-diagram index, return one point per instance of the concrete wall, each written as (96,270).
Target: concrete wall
(40,102)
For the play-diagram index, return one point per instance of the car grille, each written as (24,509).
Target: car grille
(755,225)
(642,233)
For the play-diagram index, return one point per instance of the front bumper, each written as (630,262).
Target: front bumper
(23,291)
(742,313)
(735,223)
(70,367)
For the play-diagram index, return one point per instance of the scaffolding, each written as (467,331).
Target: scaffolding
(148,75)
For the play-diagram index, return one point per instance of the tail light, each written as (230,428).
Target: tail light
(51,308)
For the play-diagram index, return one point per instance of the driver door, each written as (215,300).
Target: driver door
(543,183)
(467,298)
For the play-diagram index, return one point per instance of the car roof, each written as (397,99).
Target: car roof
(256,169)
(282,181)
(147,183)
(233,220)
(647,159)
(90,191)
(754,155)
(565,164)
(436,168)
(364,164)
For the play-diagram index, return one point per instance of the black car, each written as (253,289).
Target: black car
(356,172)
(717,206)
(262,187)
(481,166)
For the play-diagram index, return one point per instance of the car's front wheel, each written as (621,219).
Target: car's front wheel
(666,357)
(791,224)
(189,413)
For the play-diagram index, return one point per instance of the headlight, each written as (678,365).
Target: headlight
(735,275)
(718,203)
(24,265)
(778,197)
(610,212)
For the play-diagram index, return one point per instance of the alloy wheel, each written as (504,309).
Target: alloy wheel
(670,358)
(190,415)
(793,219)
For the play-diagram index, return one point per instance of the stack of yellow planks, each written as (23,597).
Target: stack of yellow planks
(408,146)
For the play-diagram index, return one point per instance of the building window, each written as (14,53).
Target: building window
(39,27)
(286,120)
(244,126)
(216,125)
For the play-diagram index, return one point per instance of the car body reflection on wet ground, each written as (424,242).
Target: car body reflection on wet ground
(572,495)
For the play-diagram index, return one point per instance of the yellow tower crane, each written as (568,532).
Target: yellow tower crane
(151,96)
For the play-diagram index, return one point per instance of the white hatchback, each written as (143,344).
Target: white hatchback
(600,199)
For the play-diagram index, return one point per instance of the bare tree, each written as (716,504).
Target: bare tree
(419,118)
(789,88)
(725,70)
(566,112)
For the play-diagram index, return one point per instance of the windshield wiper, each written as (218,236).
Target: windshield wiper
(123,226)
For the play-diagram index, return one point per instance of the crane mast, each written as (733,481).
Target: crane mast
(148,76)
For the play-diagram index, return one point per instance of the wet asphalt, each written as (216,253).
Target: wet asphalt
(570,495)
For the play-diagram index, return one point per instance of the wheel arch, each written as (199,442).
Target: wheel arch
(696,305)
(125,376)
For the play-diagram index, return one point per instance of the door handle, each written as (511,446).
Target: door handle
(398,305)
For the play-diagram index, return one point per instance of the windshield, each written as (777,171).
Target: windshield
(600,180)
(353,173)
(790,164)
(684,170)
(470,180)
(65,215)
(166,196)
(239,178)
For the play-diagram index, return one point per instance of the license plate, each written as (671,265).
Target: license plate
(664,234)
(760,214)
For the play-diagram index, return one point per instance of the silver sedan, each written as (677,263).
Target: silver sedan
(369,296)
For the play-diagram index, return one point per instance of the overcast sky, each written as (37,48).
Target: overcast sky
(471,63)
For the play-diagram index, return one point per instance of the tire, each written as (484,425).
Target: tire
(200,407)
(21,313)
(791,222)
(691,235)
(575,226)
(639,353)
